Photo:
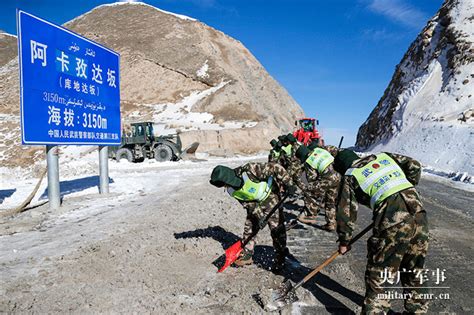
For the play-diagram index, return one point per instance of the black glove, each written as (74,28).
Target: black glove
(291,190)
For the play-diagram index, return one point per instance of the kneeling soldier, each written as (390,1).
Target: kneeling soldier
(323,184)
(257,187)
(385,182)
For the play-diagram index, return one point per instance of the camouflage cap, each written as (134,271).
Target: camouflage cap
(282,138)
(344,160)
(314,144)
(302,153)
(290,138)
(273,143)
(223,175)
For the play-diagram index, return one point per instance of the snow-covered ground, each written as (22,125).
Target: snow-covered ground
(79,175)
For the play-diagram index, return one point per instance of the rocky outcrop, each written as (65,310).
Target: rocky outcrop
(431,88)
(8,47)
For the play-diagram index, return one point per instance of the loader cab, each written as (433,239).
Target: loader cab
(142,132)
(308,125)
(306,130)
(149,131)
(138,131)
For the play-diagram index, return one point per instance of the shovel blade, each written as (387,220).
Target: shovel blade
(231,255)
(285,294)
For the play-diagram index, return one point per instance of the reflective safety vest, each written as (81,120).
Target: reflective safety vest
(252,191)
(380,178)
(319,159)
(275,154)
(287,149)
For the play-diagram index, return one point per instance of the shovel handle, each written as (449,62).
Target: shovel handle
(320,267)
(267,217)
(330,259)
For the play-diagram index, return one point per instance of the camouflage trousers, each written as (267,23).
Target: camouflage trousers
(275,224)
(322,194)
(400,248)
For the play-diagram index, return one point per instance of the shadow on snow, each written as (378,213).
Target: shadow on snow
(5,193)
(71,186)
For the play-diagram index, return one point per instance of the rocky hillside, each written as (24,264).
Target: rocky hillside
(177,72)
(8,47)
(427,111)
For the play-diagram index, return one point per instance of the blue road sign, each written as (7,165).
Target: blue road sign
(69,86)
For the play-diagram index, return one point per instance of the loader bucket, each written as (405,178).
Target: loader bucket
(188,152)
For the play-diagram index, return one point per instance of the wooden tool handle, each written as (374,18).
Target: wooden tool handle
(333,256)
(320,267)
(267,217)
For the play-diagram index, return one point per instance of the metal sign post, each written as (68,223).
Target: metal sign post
(69,93)
(54,193)
(104,169)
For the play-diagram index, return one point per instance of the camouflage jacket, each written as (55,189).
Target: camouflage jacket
(294,166)
(390,212)
(261,172)
(274,157)
(312,174)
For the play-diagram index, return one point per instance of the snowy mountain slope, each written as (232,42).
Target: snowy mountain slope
(427,111)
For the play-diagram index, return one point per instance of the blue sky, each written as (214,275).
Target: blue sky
(334,57)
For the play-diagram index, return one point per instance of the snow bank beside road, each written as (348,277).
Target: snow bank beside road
(79,175)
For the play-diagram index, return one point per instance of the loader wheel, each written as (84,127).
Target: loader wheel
(124,153)
(163,153)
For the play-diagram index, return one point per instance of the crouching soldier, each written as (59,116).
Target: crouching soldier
(385,183)
(258,186)
(323,184)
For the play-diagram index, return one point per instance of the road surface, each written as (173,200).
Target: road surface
(151,246)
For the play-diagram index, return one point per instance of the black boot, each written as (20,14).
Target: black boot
(279,261)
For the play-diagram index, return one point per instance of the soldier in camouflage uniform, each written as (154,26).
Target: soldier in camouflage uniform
(294,167)
(385,182)
(289,160)
(275,153)
(323,184)
(258,186)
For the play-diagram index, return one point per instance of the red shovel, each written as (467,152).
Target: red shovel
(233,252)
